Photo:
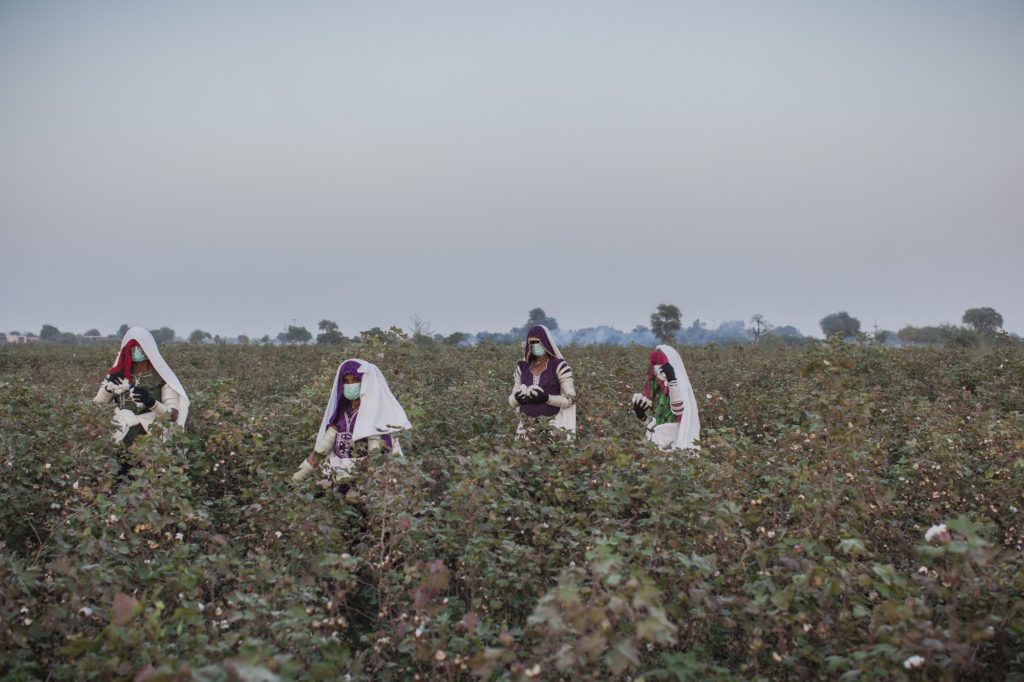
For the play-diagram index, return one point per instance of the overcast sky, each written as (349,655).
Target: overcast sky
(232,166)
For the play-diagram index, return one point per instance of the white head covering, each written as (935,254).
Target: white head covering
(148,343)
(379,411)
(566,417)
(689,427)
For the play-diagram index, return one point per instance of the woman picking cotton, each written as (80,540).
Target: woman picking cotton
(360,420)
(667,403)
(142,388)
(542,386)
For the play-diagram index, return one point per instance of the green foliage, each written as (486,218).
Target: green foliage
(198,336)
(792,547)
(49,333)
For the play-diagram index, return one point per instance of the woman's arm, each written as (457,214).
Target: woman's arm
(565,383)
(324,444)
(517,381)
(675,394)
(103,396)
(168,403)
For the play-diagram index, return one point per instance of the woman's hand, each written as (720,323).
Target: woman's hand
(141,395)
(641,404)
(670,374)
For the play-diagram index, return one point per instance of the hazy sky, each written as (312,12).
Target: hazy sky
(232,166)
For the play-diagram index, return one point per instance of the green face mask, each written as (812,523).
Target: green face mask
(137,354)
(537,350)
(352,391)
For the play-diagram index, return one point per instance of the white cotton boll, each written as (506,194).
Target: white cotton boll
(939,532)
(912,662)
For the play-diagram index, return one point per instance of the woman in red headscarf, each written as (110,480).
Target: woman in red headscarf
(142,387)
(667,403)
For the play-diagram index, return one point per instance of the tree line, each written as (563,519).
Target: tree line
(979,325)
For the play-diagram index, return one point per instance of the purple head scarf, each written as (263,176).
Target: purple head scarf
(539,332)
(349,367)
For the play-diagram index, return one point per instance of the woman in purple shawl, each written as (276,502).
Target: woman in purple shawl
(361,417)
(542,383)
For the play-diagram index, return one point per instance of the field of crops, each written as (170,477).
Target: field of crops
(793,547)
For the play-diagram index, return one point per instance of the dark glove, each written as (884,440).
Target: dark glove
(522,398)
(141,395)
(640,406)
(115,377)
(539,397)
(670,374)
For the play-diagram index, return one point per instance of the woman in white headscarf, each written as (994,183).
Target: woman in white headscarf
(142,388)
(667,404)
(360,420)
(542,384)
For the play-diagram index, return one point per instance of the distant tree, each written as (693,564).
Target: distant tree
(265,340)
(49,333)
(330,335)
(666,322)
(334,338)
(840,323)
(122,330)
(420,327)
(243,340)
(15,333)
(198,336)
(422,334)
(31,335)
(758,326)
(538,316)
(163,334)
(455,338)
(984,320)
(884,336)
(787,331)
(295,335)
(92,332)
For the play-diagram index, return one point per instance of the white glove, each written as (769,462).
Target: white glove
(305,471)
(325,443)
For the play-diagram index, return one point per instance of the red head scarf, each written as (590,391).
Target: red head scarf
(124,360)
(657,358)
